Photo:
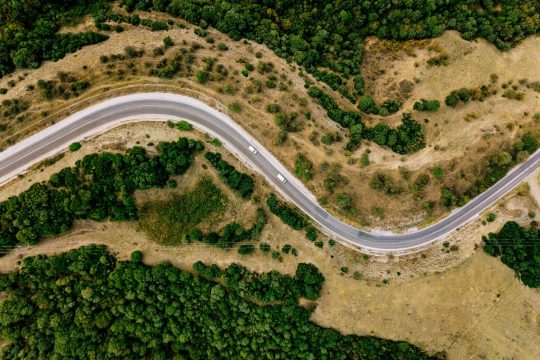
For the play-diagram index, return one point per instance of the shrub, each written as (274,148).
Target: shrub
(246,249)
(303,167)
(201,76)
(287,214)
(234,107)
(519,248)
(427,105)
(311,233)
(184,125)
(168,42)
(273,108)
(242,183)
(75,146)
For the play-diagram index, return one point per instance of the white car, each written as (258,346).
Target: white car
(253,150)
(281,178)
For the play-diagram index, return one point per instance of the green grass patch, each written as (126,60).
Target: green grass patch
(167,221)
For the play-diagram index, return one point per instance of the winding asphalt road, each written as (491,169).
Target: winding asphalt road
(164,106)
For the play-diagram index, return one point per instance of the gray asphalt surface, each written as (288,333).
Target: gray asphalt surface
(12,162)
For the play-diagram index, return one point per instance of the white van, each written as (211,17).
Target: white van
(281,178)
(253,150)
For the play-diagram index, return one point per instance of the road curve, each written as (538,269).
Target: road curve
(164,106)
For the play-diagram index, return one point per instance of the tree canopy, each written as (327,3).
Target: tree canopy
(98,187)
(87,304)
(519,249)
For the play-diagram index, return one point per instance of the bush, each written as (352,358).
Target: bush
(519,249)
(427,105)
(234,107)
(168,42)
(75,146)
(242,183)
(287,214)
(201,76)
(246,249)
(273,108)
(265,248)
(451,100)
(303,167)
(184,125)
(311,233)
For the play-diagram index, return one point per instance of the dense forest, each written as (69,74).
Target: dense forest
(312,33)
(321,34)
(87,304)
(28,31)
(519,248)
(98,187)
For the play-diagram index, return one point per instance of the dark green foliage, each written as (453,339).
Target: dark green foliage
(367,105)
(98,187)
(75,146)
(342,117)
(421,182)
(67,87)
(438,60)
(30,31)
(3,91)
(333,80)
(311,233)
(273,108)
(451,100)
(168,42)
(13,107)
(384,183)
(391,106)
(463,95)
(519,249)
(242,183)
(427,105)
(95,306)
(246,249)
(286,213)
(26,43)
(316,35)
(184,125)
(289,123)
(232,233)
(201,76)
(303,167)
(264,247)
(407,137)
